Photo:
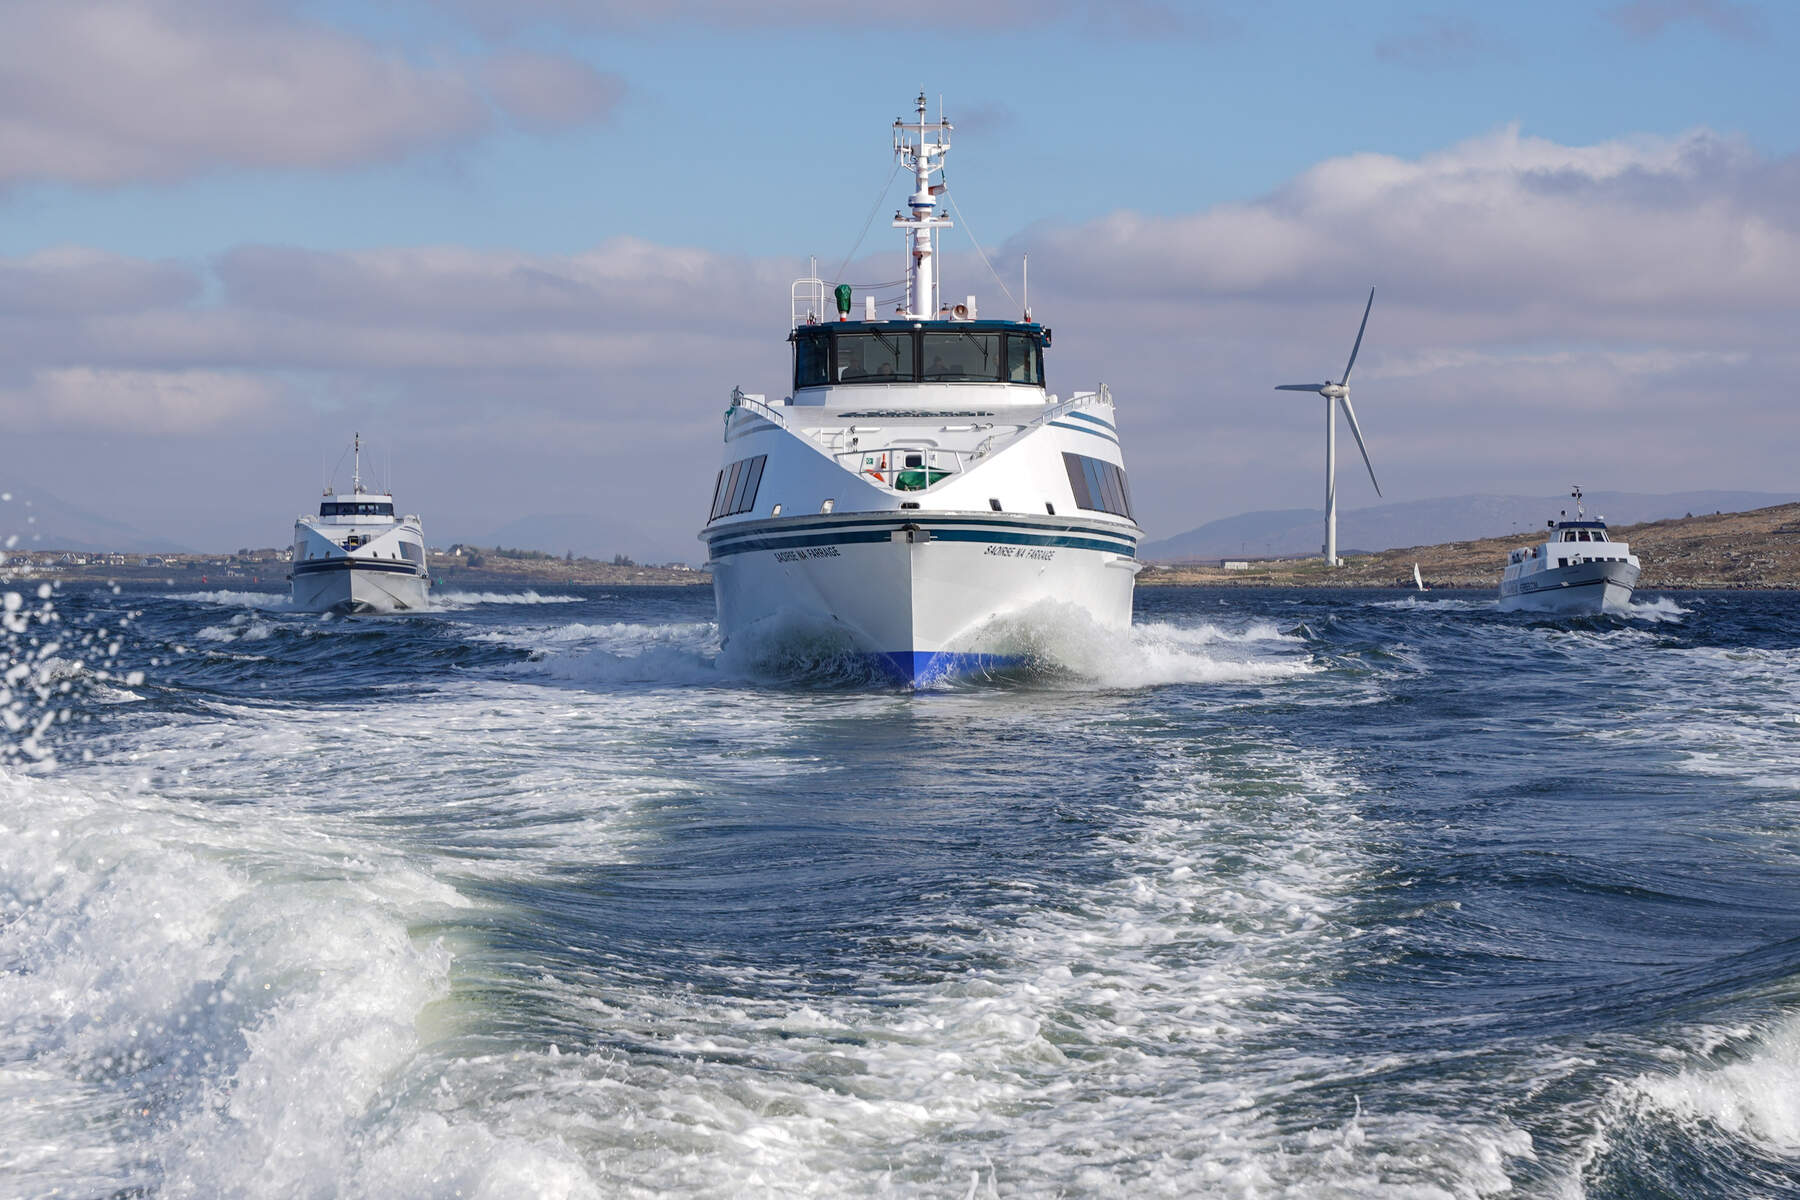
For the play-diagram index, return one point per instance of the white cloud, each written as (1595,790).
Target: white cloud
(1540,308)
(145,402)
(545,91)
(108,91)
(1555,239)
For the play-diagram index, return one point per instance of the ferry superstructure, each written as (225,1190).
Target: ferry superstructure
(357,556)
(1578,568)
(920,486)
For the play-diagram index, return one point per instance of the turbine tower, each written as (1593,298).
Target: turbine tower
(1339,392)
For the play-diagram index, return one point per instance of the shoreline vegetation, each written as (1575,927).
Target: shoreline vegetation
(1759,549)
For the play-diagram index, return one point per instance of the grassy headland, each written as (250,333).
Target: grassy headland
(1756,549)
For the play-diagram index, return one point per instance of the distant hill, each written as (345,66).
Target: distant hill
(42,521)
(1296,531)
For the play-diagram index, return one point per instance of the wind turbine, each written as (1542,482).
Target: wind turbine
(1340,392)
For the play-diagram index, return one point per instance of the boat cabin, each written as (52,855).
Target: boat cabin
(358,506)
(853,353)
(1578,531)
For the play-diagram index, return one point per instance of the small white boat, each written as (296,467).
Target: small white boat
(356,556)
(1417,581)
(1577,569)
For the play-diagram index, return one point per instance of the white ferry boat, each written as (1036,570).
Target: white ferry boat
(1577,569)
(920,484)
(356,556)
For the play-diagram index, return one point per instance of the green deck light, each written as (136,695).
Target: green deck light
(843,300)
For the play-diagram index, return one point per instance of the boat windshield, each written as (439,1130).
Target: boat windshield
(939,353)
(346,508)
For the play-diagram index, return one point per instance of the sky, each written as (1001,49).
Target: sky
(527,247)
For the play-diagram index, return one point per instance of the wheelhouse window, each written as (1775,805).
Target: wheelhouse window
(1024,360)
(961,357)
(357,509)
(812,358)
(1098,485)
(882,356)
(735,490)
(938,353)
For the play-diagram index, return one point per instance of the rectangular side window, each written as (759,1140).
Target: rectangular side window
(1091,468)
(725,493)
(1022,364)
(1109,484)
(753,469)
(1124,493)
(1078,480)
(736,502)
(1098,486)
(812,364)
(712,514)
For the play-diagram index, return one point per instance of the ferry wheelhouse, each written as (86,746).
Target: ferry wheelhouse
(356,555)
(1578,568)
(920,487)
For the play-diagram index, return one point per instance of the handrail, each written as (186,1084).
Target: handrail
(1075,401)
(761,407)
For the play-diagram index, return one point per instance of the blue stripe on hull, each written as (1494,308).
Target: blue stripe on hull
(920,667)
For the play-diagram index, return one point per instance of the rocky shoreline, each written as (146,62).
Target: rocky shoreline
(1756,549)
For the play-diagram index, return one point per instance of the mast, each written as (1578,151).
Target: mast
(922,157)
(356,471)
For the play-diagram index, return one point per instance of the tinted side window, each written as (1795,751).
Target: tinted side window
(731,482)
(812,359)
(1024,362)
(736,490)
(1098,486)
(1078,481)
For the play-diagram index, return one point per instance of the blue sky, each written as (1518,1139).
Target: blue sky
(1062,122)
(1131,148)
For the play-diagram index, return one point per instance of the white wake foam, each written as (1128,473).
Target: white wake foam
(273,601)
(1659,610)
(1751,1092)
(451,601)
(204,1000)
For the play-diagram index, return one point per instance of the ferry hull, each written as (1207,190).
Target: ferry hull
(922,598)
(358,588)
(1590,587)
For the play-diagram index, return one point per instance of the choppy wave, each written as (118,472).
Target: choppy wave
(1297,895)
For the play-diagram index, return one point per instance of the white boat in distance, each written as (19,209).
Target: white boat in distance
(356,556)
(1577,569)
(920,484)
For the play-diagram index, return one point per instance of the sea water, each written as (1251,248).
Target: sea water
(1309,894)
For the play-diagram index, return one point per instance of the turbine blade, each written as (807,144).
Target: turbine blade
(1298,387)
(1351,414)
(1359,332)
